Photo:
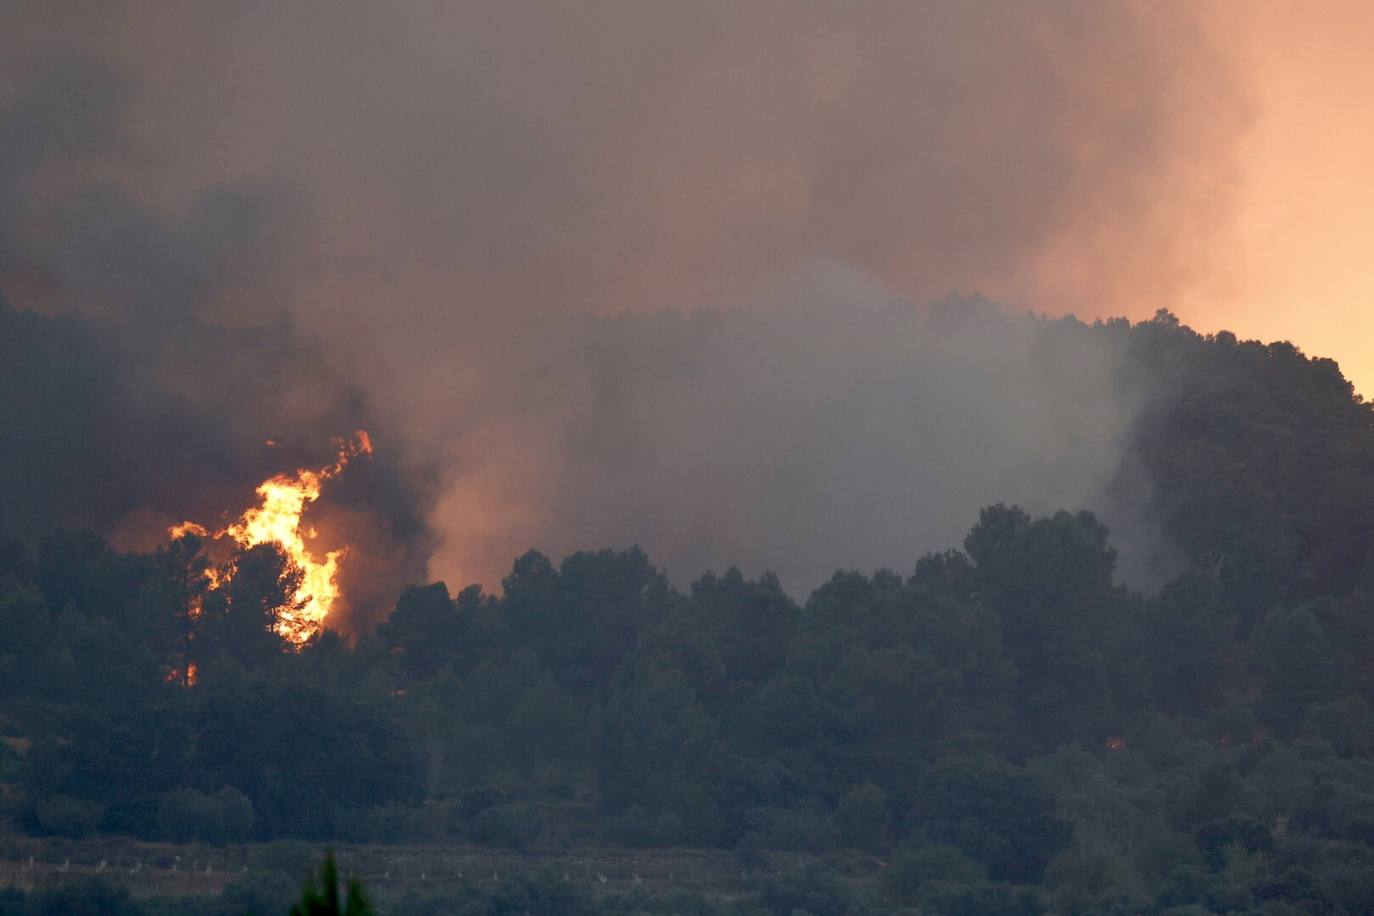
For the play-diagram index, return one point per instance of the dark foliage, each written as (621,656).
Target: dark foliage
(1008,727)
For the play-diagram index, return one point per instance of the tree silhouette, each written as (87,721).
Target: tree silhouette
(322,898)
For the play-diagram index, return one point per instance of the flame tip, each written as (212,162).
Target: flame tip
(185,528)
(277,520)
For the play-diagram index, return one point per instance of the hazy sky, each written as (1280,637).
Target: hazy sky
(1304,230)
(1103,158)
(435,198)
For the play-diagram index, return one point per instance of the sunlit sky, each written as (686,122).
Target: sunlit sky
(1304,266)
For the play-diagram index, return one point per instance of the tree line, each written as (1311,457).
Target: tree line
(1006,726)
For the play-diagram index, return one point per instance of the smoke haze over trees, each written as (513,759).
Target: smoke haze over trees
(410,232)
(1001,723)
(703,516)
(838,428)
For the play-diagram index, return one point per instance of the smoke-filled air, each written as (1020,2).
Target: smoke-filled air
(836,445)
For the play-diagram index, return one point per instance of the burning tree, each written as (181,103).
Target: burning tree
(310,583)
(259,587)
(188,576)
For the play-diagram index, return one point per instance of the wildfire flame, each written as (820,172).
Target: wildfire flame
(186,677)
(277,520)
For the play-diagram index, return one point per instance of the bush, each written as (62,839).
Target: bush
(1299,887)
(635,828)
(188,814)
(474,801)
(88,897)
(998,814)
(135,815)
(632,828)
(986,899)
(1215,837)
(814,890)
(861,817)
(236,815)
(260,891)
(534,895)
(783,828)
(67,816)
(321,894)
(509,826)
(914,873)
(383,824)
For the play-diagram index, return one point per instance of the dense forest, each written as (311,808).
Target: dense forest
(1002,728)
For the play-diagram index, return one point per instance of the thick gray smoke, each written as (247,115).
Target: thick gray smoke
(430,205)
(833,427)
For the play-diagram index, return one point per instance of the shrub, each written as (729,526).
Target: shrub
(188,814)
(236,815)
(85,897)
(813,890)
(986,899)
(914,873)
(783,828)
(261,891)
(382,824)
(862,817)
(635,828)
(510,826)
(67,816)
(322,898)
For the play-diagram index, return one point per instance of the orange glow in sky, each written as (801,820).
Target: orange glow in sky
(1305,228)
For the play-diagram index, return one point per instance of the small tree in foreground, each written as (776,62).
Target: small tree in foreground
(323,899)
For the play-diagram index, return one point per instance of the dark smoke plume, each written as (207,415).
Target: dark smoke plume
(284,221)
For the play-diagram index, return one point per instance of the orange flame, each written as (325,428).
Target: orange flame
(185,528)
(277,520)
(186,677)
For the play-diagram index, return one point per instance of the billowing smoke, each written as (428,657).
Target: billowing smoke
(605,273)
(836,427)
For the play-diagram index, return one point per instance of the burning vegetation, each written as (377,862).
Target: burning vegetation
(311,582)
(1007,713)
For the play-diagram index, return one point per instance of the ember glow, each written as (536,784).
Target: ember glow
(186,676)
(277,520)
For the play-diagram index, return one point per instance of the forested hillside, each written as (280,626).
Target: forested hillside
(1004,727)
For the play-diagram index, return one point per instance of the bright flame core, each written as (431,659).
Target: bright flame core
(277,520)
